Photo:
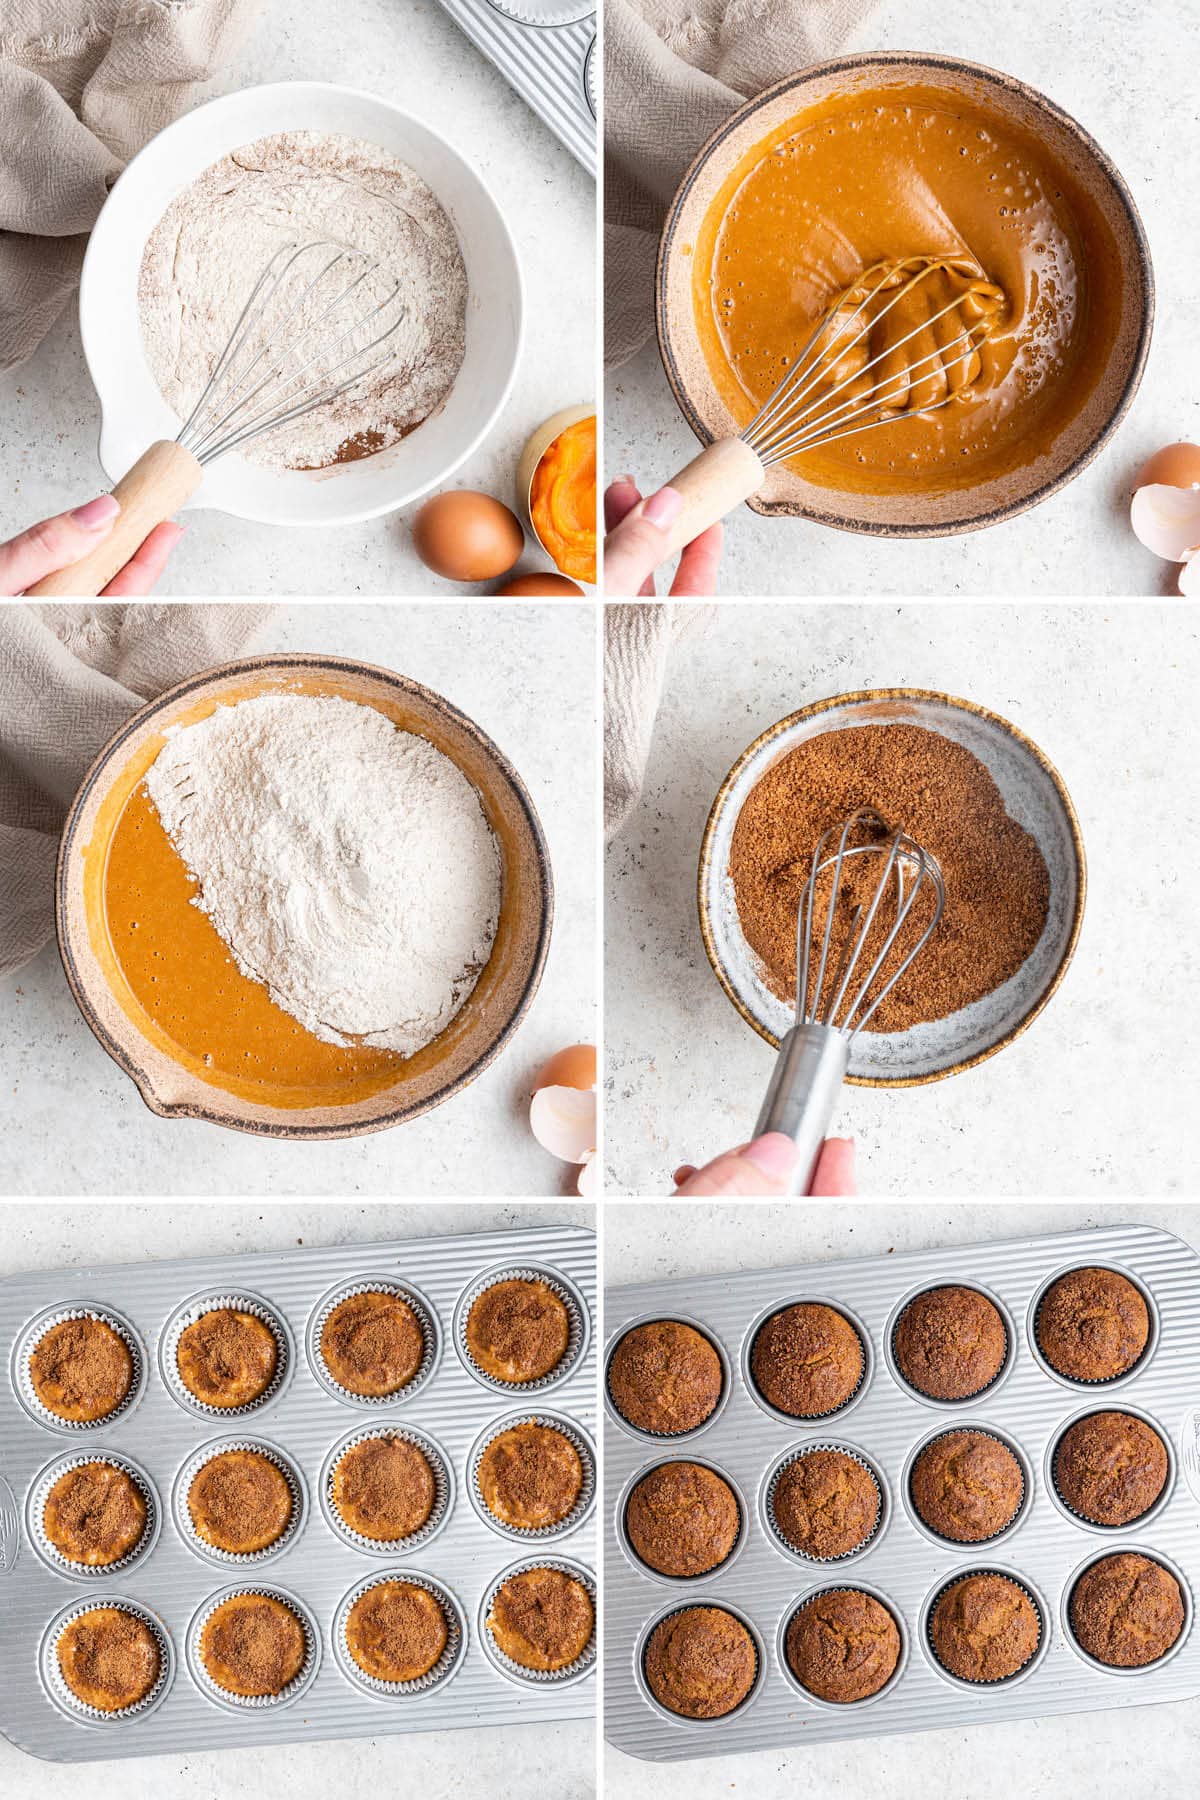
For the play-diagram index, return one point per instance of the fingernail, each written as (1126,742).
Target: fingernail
(623,481)
(662,509)
(98,514)
(775,1154)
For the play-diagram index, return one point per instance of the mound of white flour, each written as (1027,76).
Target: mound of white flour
(215,239)
(346,864)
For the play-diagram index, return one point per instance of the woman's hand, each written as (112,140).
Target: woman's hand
(765,1168)
(636,546)
(56,543)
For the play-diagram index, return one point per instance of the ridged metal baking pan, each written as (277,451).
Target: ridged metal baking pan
(552,67)
(304,1420)
(903,1564)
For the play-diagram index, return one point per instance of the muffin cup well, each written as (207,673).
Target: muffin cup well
(665,1438)
(961,1545)
(430,1333)
(767,1505)
(443,1670)
(967,1400)
(443,1490)
(578,1326)
(845,1707)
(195,1308)
(1155,1556)
(622,1528)
(35,1515)
(671,1612)
(1142,1519)
(1106,1383)
(220,1696)
(801,1421)
(1005,1681)
(238,1559)
(56,1686)
(584,1663)
(584,1449)
(32,1336)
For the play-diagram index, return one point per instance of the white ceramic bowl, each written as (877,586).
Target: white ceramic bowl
(133,410)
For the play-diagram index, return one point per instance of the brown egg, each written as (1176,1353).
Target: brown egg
(467,536)
(538,583)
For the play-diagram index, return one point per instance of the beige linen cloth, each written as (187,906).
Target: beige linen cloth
(673,69)
(83,85)
(638,641)
(70,675)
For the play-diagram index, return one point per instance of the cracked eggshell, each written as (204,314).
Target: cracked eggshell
(563,1120)
(1165,509)
(574,1067)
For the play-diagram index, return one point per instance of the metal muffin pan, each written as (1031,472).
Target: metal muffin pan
(545,50)
(904,1564)
(174,1584)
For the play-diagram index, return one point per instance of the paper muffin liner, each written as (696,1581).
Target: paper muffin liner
(1090,1384)
(195,1309)
(989,1387)
(584,1449)
(238,1559)
(35,1515)
(784,1543)
(545,12)
(1140,1520)
(56,1685)
(443,1670)
(965,1681)
(577,1326)
(584,1663)
(589,78)
(1154,1556)
(212,1690)
(997,1437)
(845,1707)
(443,1491)
(426,1319)
(627,1544)
(668,1437)
(32,1336)
(801,1421)
(673,1612)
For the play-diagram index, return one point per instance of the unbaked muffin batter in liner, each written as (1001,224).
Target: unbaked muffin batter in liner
(195,1309)
(443,1491)
(239,1559)
(35,1516)
(430,1355)
(584,1663)
(32,1337)
(584,1449)
(577,1328)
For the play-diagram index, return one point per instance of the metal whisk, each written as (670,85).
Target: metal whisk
(845,970)
(314,326)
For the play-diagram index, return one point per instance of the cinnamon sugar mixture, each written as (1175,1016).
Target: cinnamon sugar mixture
(81,1369)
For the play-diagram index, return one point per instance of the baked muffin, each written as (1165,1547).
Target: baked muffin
(984,1628)
(1126,1610)
(81,1369)
(807,1360)
(372,1344)
(967,1486)
(950,1342)
(826,1503)
(384,1488)
(665,1377)
(239,1501)
(253,1645)
(1092,1325)
(842,1645)
(700,1663)
(682,1519)
(108,1658)
(518,1330)
(227,1358)
(1110,1467)
(542,1619)
(94,1515)
(530,1476)
(397,1631)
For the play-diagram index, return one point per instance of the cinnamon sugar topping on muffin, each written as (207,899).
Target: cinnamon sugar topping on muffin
(665,1377)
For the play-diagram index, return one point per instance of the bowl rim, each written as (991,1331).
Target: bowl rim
(217,1112)
(858,697)
(931,60)
(354,515)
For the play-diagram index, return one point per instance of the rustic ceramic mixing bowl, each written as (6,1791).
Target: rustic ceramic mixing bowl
(171,1080)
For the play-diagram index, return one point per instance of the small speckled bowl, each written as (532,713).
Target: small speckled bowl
(1034,795)
(173,1082)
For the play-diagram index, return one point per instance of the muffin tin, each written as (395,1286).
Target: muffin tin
(546,50)
(904,1564)
(174,1582)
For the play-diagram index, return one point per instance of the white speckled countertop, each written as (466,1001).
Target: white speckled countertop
(511,1764)
(410,52)
(1118,68)
(72,1122)
(1090,1100)
(1150,1751)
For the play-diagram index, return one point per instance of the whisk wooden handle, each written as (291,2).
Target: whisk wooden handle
(720,478)
(153,490)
